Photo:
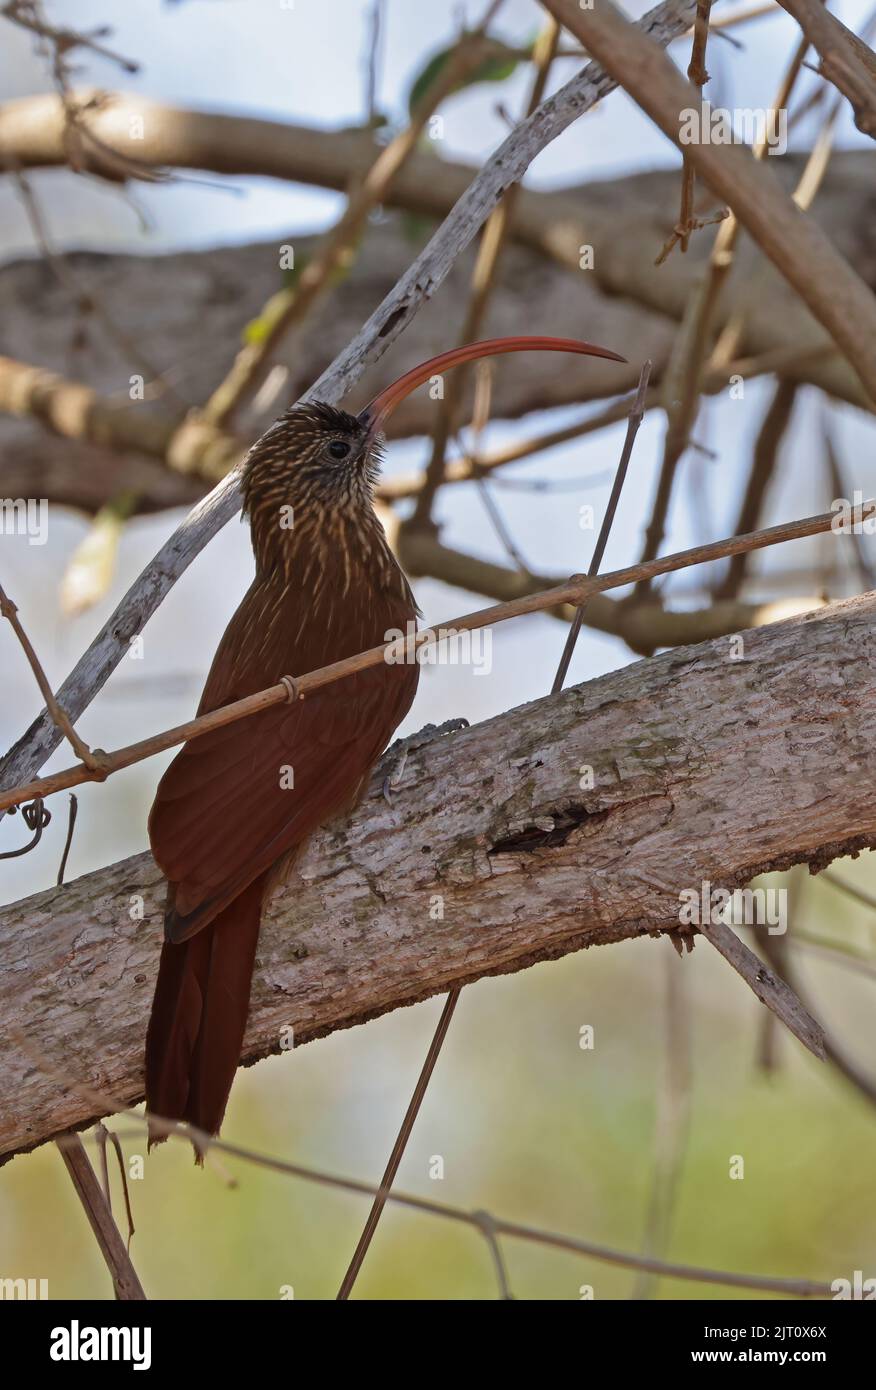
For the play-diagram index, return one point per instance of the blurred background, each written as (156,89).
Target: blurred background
(629,1144)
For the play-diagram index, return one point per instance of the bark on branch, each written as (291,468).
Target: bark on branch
(496,853)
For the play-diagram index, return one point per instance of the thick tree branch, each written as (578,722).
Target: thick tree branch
(495,854)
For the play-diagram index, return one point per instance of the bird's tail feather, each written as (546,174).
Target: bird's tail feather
(199,1014)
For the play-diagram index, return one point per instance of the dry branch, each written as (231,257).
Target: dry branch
(644,627)
(126,1284)
(578,590)
(693,780)
(483,1221)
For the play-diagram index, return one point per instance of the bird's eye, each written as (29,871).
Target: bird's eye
(339,448)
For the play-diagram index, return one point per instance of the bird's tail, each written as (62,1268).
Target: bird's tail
(199,1014)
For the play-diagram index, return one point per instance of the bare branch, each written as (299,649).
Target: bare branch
(480,1220)
(125,1281)
(769,988)
(90,758)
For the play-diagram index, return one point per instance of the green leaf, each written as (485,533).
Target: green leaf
(494,68)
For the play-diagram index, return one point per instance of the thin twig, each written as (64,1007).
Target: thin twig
(764,463)
(833,952)
(479,422)
(863,1083)
(375,25)
(698,75)
(850,889)
(810,181)
(682,385)
(101,1133)
(798,1288)
(123,1176)
(483,282)
(672,1123)
(84,298)
(553,486)
(77,137)
(25,14)
(124,1276)
(398,1148)
(71,825)
(93,759)
(635,419)
(574,591)
(480,418)
(487,1228)
(835,472)
(730,21)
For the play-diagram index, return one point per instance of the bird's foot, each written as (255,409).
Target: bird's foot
(398,752)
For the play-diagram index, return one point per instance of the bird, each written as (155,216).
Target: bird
(237,806)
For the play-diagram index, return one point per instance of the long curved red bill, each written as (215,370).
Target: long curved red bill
(376,412)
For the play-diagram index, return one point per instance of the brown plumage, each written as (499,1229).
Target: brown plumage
(326,587)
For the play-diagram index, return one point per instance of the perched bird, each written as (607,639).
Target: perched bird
(237,805)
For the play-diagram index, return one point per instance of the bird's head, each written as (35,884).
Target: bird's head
(316,457)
